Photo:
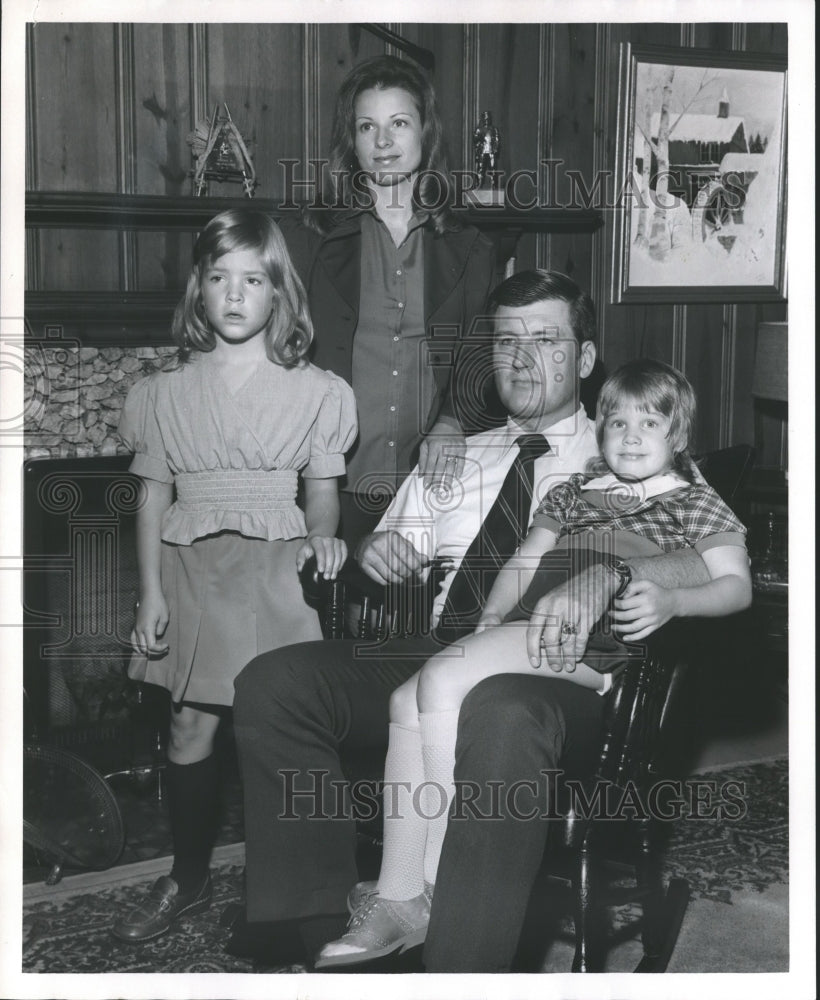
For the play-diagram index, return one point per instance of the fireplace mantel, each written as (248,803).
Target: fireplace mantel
(143,317)
(80,210)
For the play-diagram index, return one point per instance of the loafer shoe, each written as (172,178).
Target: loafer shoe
(378,928)
(161,907)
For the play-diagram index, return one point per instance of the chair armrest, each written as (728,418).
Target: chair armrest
(644,706)
(329,597)
(318,590)
(399,610)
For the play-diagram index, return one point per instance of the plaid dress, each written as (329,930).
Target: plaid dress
(680,519)
(623,522)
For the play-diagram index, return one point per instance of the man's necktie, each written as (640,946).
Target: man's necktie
(497,540)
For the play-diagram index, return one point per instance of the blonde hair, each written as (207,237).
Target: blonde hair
(651,385)
(289,332)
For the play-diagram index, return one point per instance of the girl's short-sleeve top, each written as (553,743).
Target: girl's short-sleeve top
(186,421)
(693,516)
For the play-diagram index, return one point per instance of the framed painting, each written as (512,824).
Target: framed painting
(701,177)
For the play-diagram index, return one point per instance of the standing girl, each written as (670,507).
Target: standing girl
(643,498)
(219,440)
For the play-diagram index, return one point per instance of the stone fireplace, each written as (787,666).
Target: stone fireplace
(73,396)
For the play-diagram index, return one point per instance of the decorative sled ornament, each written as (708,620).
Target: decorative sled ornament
(221,153)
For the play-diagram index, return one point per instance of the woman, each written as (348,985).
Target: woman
(394,282)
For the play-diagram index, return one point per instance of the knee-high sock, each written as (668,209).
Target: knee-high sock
(194,806)
(438,747)
(405,828)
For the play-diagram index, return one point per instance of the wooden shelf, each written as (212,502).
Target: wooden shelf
(116,318)
(100,319)
(80,210)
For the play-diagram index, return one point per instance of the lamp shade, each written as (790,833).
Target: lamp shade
(771,374)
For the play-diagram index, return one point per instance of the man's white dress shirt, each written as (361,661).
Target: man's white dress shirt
(442,524)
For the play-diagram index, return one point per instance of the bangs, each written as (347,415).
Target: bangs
(644,398)
(651,385)
(241,235)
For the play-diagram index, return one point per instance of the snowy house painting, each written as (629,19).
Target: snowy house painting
(698,144)
(704,165)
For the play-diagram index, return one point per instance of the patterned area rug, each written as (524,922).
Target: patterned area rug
(722,856)
(719,856)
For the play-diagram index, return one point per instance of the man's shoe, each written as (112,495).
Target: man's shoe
(378,928)
(161,907)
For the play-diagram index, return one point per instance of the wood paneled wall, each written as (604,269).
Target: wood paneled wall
(109,107)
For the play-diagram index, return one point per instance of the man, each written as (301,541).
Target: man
(298,709)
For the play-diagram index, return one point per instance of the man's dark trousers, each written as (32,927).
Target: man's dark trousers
(298,709)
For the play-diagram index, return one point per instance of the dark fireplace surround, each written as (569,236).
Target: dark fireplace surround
(79,590)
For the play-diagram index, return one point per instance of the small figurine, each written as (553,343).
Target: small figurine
(221,153)
(487,143)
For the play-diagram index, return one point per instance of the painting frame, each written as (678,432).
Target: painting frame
(711,165)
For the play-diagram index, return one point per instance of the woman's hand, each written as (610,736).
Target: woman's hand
(441,455)
(643,609)
(151,622)
(330,554)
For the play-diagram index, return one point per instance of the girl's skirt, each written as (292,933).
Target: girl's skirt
(230,598)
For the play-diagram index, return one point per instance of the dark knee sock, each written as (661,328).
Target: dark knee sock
(194,807)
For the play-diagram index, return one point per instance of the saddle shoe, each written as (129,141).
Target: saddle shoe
(362,892)
(379,927)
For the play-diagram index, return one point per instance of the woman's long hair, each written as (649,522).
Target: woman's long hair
(432,189)
(289,331)
(651,385)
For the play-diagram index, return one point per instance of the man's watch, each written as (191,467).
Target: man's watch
(622,570)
